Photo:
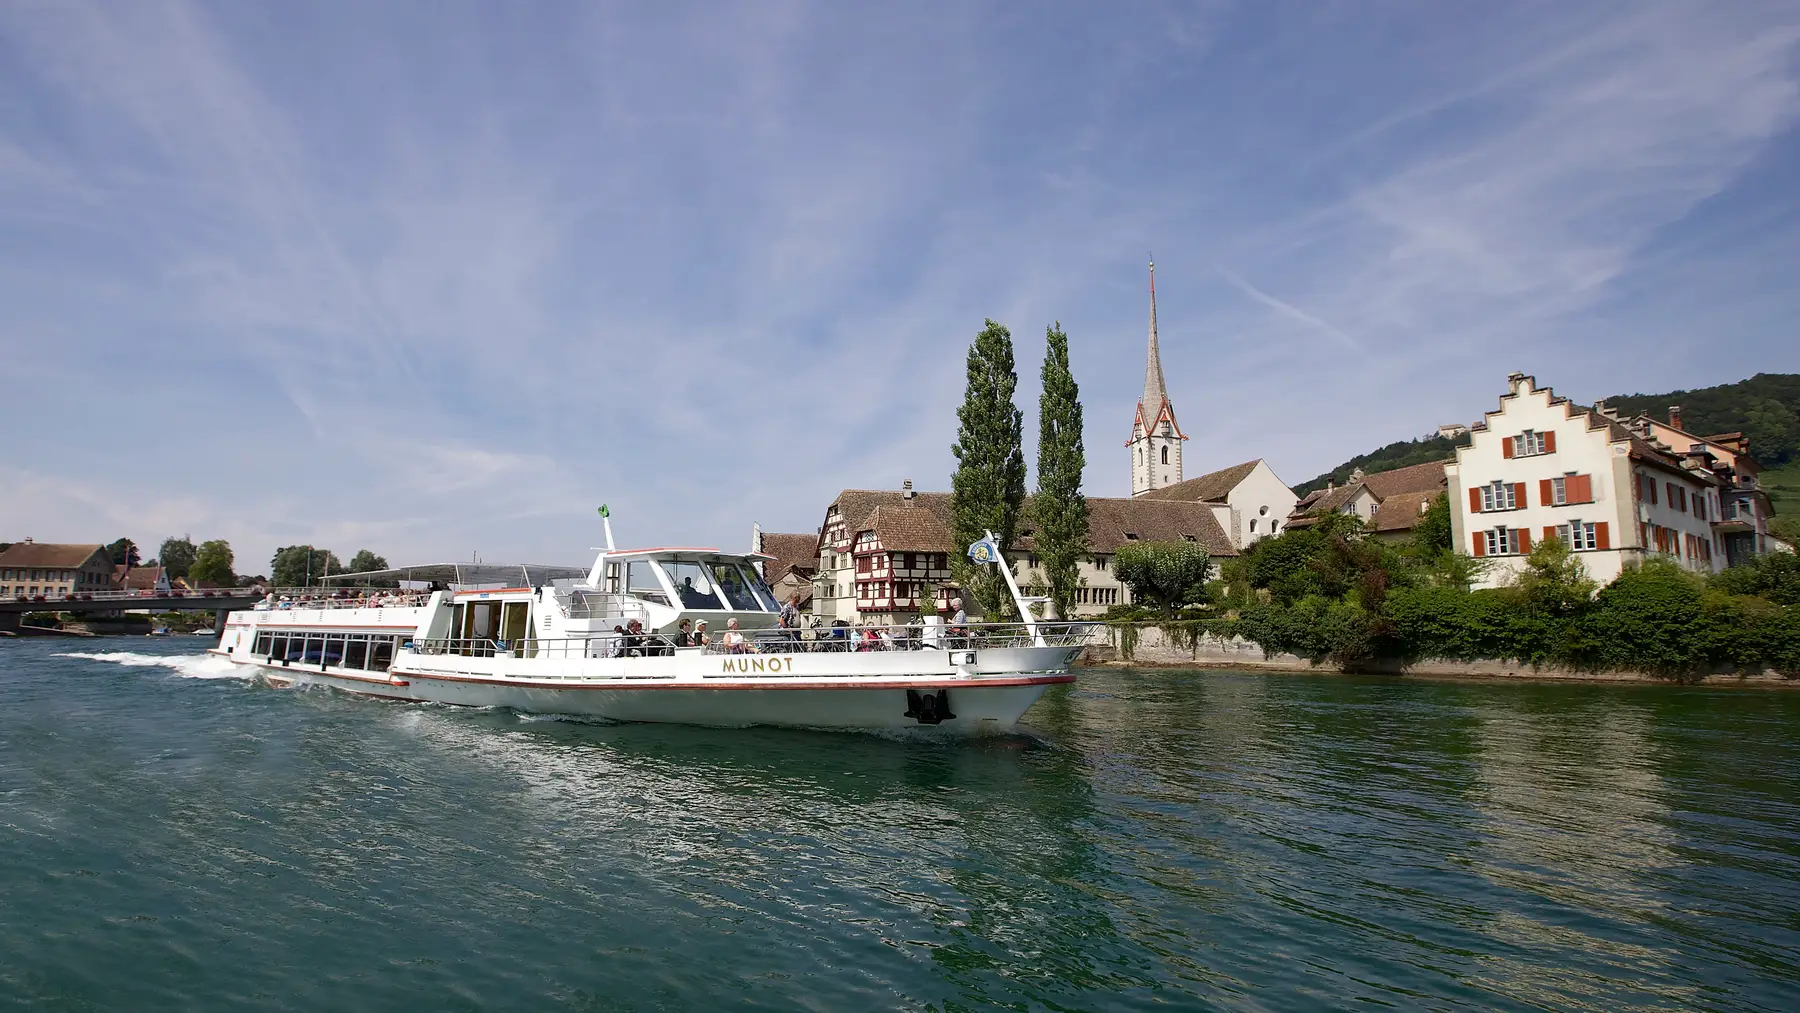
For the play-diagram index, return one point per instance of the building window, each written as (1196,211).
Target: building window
(1496,496)
(1559,491)
(1253,525)
(1577,535)
(1529,443)
(1502,542)
(1165,455)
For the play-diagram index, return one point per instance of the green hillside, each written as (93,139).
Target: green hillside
(1765,407)
(1400,454)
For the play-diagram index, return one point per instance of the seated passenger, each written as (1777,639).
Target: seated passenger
(682,637)
(699,633)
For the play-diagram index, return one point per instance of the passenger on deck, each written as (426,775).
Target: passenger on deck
(682,637)
(734,641)
(699,633)
(790,612)
(615,644)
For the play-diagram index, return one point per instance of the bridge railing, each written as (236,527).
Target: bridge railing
(126,597)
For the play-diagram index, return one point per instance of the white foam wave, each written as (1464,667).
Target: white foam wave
(189,666)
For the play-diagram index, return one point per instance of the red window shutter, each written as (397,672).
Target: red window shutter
(1519,495)
(1549,443)
(1546,493)
(1549,532)
(1581,488)
(1474,501)
(1602,536)
(1481,543)
(1523,537)
(1652,485)
(1506,447)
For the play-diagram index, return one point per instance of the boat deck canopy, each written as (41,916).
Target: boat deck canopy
(467,574)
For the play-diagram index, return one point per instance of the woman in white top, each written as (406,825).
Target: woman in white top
(734,640)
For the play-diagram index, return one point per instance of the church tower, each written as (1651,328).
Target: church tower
(1155,436)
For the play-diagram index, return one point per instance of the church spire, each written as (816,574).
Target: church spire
(1155,393)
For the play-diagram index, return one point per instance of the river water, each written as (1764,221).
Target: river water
(173,837)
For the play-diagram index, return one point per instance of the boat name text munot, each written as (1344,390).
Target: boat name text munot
(748,665)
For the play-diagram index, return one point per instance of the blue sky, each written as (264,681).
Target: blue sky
(439,278)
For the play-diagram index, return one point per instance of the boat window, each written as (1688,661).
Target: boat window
(356,652)
(691,585)
(640,580)
(762,588)
(383,654)
(737,589)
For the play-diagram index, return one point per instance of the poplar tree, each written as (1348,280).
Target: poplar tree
(988,489)
(1059,507)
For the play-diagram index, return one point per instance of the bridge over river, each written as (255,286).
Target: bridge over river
(219,602)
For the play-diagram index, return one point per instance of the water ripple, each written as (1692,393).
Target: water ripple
(173,839)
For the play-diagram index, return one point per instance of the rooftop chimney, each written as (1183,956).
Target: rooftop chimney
(906,491)
(1675,416)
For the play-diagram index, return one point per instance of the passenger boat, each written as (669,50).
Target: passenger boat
(549,640)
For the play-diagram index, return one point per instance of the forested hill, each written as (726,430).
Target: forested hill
(1765,407)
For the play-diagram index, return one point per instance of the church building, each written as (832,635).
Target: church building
(1155,436)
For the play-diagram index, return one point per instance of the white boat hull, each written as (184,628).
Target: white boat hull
(977,704)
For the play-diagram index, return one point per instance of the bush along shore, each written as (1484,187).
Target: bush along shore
(1330,596)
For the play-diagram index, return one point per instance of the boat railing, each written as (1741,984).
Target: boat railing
(288,599)
(579,603)
(809,640)
(853,639)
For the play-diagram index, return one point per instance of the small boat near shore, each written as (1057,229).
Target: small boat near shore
(611,642)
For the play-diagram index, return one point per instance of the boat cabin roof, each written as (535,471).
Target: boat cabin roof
(468,574)
(683,550)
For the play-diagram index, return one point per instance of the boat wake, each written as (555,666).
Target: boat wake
(188,666)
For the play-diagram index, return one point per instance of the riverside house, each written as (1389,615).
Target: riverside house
(878,551)
(1541,466)
(54,570)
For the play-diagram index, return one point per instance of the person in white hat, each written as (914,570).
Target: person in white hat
(699,633)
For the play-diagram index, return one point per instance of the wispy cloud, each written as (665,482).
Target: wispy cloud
(456,279)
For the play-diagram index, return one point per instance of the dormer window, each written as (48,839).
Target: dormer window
(1131,536)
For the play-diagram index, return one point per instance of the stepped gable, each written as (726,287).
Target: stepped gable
(60,555)
(791,551)
(1212,487)
(1428,477)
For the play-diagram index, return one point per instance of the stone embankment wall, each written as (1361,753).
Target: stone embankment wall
(1152,647)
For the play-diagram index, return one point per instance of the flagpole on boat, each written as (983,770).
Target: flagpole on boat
(1019,599)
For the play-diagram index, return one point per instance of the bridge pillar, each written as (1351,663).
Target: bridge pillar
(10,621)
(219,617)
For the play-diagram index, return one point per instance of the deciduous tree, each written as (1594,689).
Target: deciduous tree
(124,552)
(212,563)
(177,555)
(364,561)
(302,565)
(1059,507)
(988,487)
(1165,574)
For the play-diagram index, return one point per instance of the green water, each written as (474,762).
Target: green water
(170,839)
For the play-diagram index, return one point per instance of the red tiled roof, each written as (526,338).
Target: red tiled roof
(924,526)
(790,550)
(1428,477)
(1211,487)
(58,554)
(1402,510)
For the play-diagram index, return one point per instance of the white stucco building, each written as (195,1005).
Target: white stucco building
(1542,467)
(1249,500)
